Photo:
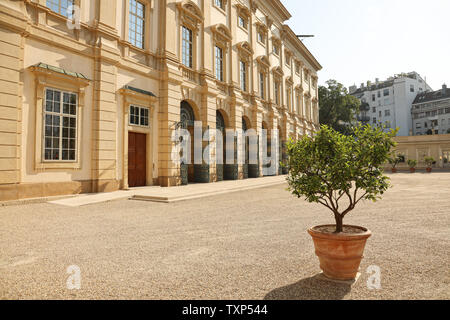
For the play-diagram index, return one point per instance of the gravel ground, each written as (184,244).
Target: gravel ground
(246,245)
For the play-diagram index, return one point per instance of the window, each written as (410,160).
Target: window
(261,37)
(418,125)
(219,63)
(288,99)
(60,133)
(411,88)
(387,113)
(261,85)
(379,114)
(379,94)
(243,75)
(187,47)
(276,49)
(388,124)
(297,68)
(60,6)
(386,92)
(374,120)
(277,92)
(288,60)
(242,22)
(374,109)
(220,4)
(373,97)
(136,24)
(139,116)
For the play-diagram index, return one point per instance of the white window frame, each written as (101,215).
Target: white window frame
(190,55)
(141,109)
(219,62)
(61,128)
(130,23)
(60,10)
(243,75)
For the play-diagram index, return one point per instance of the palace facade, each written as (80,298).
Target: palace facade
(89,98)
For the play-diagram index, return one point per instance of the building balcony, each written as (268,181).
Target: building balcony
(363,118)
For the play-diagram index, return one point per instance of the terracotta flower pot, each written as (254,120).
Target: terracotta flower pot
(394,170)
(339,254)
(412,170)
(429,170)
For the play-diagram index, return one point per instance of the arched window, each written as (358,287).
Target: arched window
(187,117)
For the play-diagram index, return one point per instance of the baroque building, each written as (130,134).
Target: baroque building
(90,95)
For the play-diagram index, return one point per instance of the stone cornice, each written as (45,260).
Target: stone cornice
(299,45)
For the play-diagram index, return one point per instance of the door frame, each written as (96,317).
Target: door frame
(141,100)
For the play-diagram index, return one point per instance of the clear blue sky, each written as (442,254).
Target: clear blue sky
(356,40)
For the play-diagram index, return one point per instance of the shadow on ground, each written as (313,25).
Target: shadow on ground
(314,288)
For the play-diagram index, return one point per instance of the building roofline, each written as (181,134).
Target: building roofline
(302,48)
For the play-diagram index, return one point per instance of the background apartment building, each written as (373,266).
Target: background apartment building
(388,103)
(92,106)
(431,112)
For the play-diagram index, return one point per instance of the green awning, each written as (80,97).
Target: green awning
(60,70)
(148,93)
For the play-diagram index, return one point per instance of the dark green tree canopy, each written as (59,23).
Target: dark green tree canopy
(332,168)
(337,108)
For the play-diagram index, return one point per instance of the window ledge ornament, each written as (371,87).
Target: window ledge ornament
(263,61)
(289,81)
(245,48)
(190,14)
(222,35)
(243,10)
(278,71)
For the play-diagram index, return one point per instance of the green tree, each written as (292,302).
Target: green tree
(337,108)
(331,168)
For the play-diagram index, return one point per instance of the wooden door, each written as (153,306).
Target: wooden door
(137,159)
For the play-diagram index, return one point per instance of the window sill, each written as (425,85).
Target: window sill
(220,10)
(243,29)
(58,165)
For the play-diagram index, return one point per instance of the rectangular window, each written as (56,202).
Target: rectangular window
(60,133)
(219,63)
(373,97)
(387,113)
(136,24)
(297,68)
(374,109)
(386,92)
(261,37)
(243,75)
(418,125)
(242,22)
(379,94)
(374,120)
(187,47)
(411,88)
(60,6)
(277,92)
(288,99)
(261,85)
(139,116)
(219,4)
(276,50)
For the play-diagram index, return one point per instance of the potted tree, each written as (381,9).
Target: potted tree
(394,161)
(429,161)
(412,165)
(339,171)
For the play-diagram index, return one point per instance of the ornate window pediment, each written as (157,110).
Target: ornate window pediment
(222,34)
(278,71)
(245,49)
(263,61)
(190,13)
(289,81)
(243,10)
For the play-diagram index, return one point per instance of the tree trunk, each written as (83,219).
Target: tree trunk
(339,222)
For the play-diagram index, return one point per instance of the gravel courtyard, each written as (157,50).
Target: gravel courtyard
(246,245)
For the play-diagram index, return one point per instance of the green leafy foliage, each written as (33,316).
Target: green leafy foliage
(395,160)
(331,168)
(337,108)
(429,161)
(412,163)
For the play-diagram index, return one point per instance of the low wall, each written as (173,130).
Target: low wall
(419,147)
